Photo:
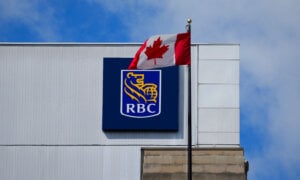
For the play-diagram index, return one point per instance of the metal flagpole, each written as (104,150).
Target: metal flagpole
(190,165)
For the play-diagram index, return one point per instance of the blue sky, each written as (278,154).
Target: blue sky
(267,30)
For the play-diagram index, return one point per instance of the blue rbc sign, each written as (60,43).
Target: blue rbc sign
(140,93)
(139,100)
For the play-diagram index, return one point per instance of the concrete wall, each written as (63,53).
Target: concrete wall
(208,164)
(51,119)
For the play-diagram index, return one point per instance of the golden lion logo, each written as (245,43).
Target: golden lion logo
(138,90)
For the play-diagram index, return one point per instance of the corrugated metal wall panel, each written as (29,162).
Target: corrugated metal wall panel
(52,95)
(70,162)
(51,103)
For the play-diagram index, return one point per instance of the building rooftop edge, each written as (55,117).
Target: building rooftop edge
(94,44)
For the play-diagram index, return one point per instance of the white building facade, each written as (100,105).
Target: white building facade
(51,111)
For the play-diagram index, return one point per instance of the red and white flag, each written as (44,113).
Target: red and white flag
(162,51)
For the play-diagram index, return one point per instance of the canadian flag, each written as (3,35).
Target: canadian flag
(162,51)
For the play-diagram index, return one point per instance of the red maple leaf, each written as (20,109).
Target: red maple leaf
(156,50)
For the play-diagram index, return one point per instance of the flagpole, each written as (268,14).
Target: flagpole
(190,162)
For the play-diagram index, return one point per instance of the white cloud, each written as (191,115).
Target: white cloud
(134,14)
(36,15)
